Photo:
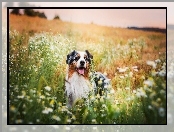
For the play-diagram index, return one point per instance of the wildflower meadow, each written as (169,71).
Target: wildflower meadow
(135,61)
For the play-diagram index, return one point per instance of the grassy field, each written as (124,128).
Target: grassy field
(135,61)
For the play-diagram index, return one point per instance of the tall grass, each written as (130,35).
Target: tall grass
(37,69)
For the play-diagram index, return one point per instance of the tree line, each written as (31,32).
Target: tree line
(27,11)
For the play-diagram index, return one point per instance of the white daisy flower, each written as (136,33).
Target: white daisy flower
(121,70)
(149,82)
(69,120)
(93,120)
(134,67)
(151,63)
(47,88)
(157,60)
(161,112)
(20,97)
(162,73)
(47,110)
(127,88)
(140,93)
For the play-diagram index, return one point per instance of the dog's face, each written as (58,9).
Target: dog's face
(79,61)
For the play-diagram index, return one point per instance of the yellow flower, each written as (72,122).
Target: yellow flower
(158,100)
(92,98)
(56,118)
(154,73)
(23,93)
(142,77)
(18,121)
(130,74)
(60,104)
(12,108)
(73,117)
(155,104)
(52,102)
(42,96)
(39,94)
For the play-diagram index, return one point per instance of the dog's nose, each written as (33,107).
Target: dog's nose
(82,63)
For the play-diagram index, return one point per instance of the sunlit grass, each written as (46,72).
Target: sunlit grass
(37,70)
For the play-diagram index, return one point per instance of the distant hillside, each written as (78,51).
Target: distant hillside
(149,29)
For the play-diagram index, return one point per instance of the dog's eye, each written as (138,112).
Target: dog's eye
(85,58)
(77,58)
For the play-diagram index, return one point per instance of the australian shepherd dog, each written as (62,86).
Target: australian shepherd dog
(77,81)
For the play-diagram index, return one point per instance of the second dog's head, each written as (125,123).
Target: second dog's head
(79,61)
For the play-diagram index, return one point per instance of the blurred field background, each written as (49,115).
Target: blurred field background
(134,60)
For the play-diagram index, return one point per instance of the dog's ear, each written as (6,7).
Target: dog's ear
(67,60)
(73,53)
(88,54)
(70,57)
(90,57)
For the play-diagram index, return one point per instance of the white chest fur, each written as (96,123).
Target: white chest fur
(77,87)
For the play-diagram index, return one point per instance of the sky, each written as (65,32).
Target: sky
(112,17)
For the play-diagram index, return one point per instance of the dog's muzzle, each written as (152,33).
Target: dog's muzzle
(81,69)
